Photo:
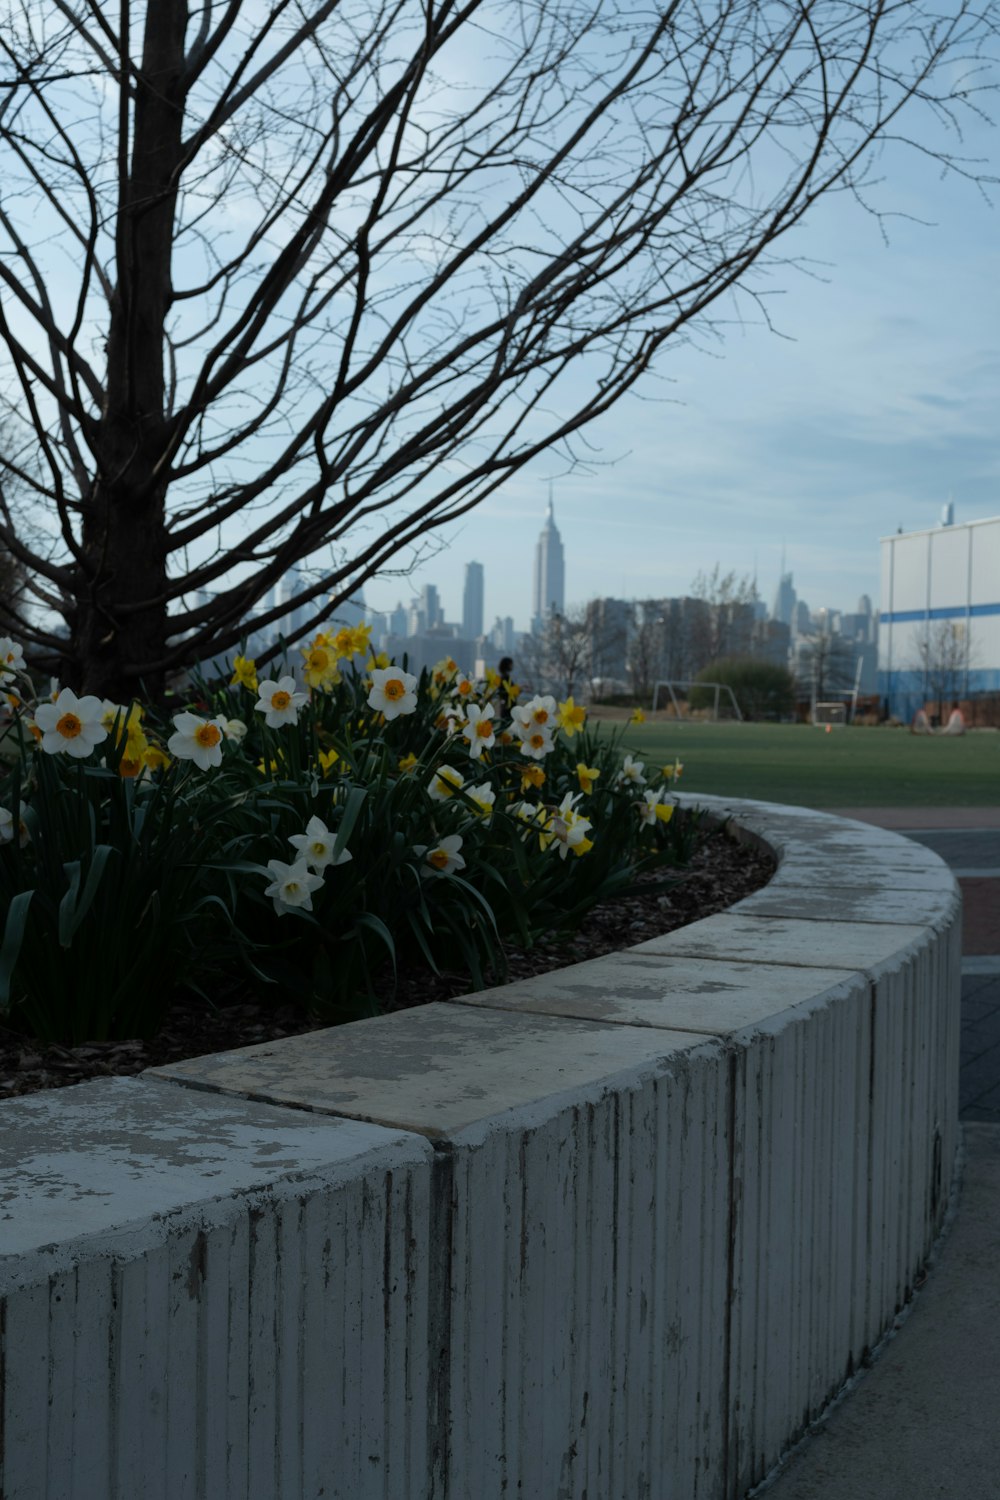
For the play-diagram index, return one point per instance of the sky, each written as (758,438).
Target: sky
(876,400)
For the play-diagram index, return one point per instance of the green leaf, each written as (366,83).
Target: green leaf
(13,936)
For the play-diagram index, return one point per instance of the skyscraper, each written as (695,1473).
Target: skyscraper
(472,602)
(550,574)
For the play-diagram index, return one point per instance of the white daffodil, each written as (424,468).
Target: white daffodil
(71,724)
(631,771)
(567,830)
(484,797)
(292,885)
(315,846)
(11,658)
(445,782)
(479,729)
(539,713)
(441,858)
(279,702)
(197,739)
(392,692)
(7,828)
(536,743)
(653,810)
(234,729)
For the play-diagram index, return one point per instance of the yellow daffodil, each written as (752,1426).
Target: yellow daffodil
(244,673)
(672,771)
(513,691)
(572,717)
(586,776)
(407,762)
(155,758)
(652,810)
(378,659)
(320,667)
(268,768)
(361,636)
(532,776)
(343,642)
(493,680)
(327,759)
(443,671)
(638,717)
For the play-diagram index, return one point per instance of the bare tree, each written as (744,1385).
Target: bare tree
(945,656)
(826,665)
(557,658)
(725,626)
(285,281)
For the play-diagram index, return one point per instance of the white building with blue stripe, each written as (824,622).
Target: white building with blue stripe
(950,574)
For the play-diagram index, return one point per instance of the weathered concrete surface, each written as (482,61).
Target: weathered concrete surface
(204,1297)
(802,942)
(922,1422)
(437,1069)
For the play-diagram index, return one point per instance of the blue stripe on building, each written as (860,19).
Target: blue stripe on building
(906,616)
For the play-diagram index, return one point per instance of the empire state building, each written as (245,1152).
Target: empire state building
(550,574)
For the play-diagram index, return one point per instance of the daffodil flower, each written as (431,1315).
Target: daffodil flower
(672,771)
(443,671)
(653,810)
(479,729)
(292,886)
(279,702)
(407,762)
(539,713)
(392,692)
(328,759)
(566,830)
(234,729)
(71,724)
(532,776)
(7,828)
(442,858)
(638,717)
(484,798)
(536,744)
(320,667)
(11,658)
(197,739)
(631,771)
(445,782)
(315,846)
(155,758)
(244,673)
(572,717)
(586,776)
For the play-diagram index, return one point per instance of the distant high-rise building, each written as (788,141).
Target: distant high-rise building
(472,601)
(550,574)
(784,601)
(430,605)
(397,620)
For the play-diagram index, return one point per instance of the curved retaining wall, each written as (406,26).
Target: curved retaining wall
(618,1232)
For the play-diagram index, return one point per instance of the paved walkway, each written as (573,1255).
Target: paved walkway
(923,1424)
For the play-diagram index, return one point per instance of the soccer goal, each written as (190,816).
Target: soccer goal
(673,684)
(834,714)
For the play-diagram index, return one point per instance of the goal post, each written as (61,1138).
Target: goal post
(671,684)
(830,714)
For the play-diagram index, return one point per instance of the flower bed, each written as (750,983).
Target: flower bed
(312,835)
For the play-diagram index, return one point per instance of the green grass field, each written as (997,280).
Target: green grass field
(804,766)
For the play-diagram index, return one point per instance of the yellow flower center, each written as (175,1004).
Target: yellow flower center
(291,887)
(464,688)
(69,726)
(393,688)
(318,848)
(128,766)
(541,716)
(439,859)
(536,741)
(484,729)
(318,661)
(280,700)
(207,735)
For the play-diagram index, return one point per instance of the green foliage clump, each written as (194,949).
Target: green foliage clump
(762,689)
(303,838)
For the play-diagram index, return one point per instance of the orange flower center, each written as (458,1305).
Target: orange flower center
(318,661)
(280,700)
(127,766)
(537,740)
(439,859)
(393,688)
(69,726)
(541,716)
(484,729)
(208,735)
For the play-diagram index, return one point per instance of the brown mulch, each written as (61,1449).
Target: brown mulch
(721,873)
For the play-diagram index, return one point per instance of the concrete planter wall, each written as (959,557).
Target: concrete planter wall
(619,1232)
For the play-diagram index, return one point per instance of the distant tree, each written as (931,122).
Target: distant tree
(826,666)
(762,689)
(945,655)
(725,626)
(285,281)
(646,647)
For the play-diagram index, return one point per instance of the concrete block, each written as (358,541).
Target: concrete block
(717,997)
(209,1298)
(800,942)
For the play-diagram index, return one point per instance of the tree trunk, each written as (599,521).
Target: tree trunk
(119,619)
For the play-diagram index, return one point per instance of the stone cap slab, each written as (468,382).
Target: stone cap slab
(438,1069)
(797,941)
(716,997)
(115,1158)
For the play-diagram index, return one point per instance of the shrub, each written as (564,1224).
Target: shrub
(762,689)
(307,836)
